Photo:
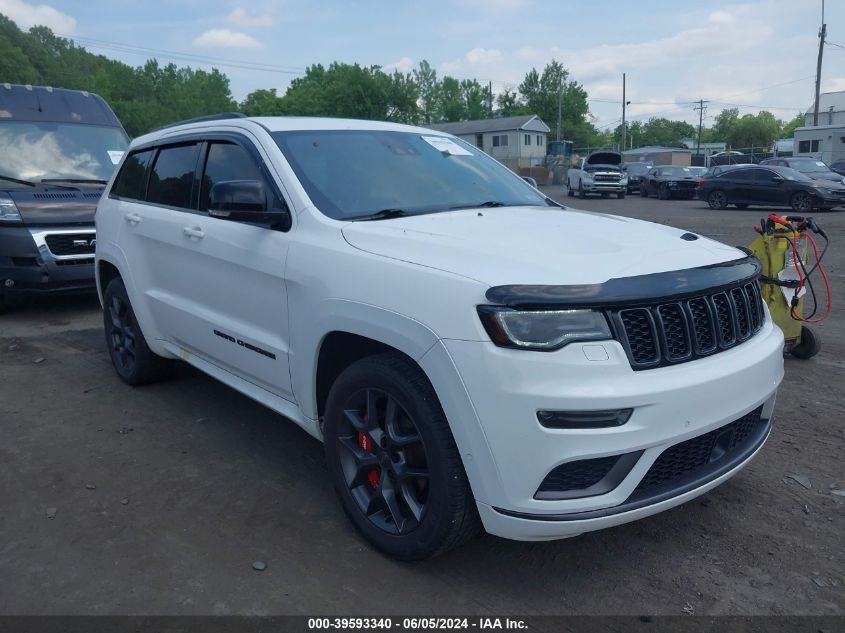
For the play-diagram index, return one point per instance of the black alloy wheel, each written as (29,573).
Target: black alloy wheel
(384,461)
(663,191)
(121,333)
(801,202)
(133,360)
(717,199)
(393,460)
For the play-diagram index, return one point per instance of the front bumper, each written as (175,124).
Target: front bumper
(829,201)
(671,405)
(27,265)
(604,187)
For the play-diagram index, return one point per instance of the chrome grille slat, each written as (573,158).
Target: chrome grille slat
(676,332)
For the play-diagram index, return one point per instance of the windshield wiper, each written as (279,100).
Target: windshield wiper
(17,180)
(384,214)
(488,203)
(95,181)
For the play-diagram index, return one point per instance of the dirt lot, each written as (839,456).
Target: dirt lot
(162,497)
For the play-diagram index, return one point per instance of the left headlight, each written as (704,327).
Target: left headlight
(542,330)
(8,211)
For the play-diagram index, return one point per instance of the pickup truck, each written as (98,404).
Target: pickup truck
(600,172)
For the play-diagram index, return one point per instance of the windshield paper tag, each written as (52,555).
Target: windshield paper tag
(446,145)
(115,156)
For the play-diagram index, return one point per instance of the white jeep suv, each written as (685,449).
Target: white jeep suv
(470,352)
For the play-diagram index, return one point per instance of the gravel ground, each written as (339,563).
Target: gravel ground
(160,500)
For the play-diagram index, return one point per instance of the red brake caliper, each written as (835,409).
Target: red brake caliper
(366,445)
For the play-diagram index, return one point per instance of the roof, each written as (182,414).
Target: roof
(281,124)
(655,149)
(501,124)
(54,105)
(828,99)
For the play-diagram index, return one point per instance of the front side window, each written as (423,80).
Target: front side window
(354,173)
(130,181)
(228,161)
(172,176)
(37,150)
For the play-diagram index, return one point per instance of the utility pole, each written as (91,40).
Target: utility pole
(559,106)
(700,107)
(624,103)
(490,99)
(822,35)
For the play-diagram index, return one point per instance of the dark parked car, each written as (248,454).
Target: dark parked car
(815,169)
(743,185)
(838,166)
(668,181)
(635,171)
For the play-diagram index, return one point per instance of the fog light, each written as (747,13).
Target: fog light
(9,283)
(583,419)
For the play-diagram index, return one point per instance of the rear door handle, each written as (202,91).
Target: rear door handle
(195,233)
(132,218)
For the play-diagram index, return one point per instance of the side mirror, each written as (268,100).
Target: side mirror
(777,179)
(245,201)
(530,181)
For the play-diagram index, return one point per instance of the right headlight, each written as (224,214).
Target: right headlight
(542,330)
(8,211)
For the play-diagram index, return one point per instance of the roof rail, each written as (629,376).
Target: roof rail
(208,117)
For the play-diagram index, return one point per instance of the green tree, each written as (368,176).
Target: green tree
(508,103)
(262,102)
(788,129)
(450,103)
(725,120)
(425,77)
(754,130)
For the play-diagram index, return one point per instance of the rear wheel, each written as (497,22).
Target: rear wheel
(717,199)
(801,202)
(133,360)
(569,191)
(394,462)
(809,345)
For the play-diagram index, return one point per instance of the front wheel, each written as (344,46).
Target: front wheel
(134,362)
(809,345)
(394,462)
(569,191)
(663,191)
(581,193)
(717,200)
(801,202)
(644,191)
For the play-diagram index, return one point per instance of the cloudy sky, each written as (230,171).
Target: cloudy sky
(746,53)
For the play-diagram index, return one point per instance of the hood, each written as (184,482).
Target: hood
(604,158)
(56,206)
(825,175)
(535,245)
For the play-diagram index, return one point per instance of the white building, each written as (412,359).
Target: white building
(831,109)
(515,141)
(825,142)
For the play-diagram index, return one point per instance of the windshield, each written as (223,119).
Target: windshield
(637,169)
(35,150)
(676,171)
(808,166)
(355,173)
(794,174)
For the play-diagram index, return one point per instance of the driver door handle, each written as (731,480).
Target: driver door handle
(196,233)
(132,218)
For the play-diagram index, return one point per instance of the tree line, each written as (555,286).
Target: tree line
(151,95)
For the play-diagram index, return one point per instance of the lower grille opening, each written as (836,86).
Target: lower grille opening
(698,456)
(587,477)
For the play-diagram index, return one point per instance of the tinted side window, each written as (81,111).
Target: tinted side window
(132,177)
(228,161)
(172,176)
(762,175)
(742,174)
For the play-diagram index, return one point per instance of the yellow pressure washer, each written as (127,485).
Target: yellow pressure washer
(783,246)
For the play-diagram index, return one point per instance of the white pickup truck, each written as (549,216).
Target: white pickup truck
(600,172)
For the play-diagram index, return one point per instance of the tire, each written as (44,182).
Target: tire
(581,193)
(569,190)
(809,345)
(133,360)
(434,511)
(741,205)
(717,199)
(663,192)
(620,195)
(801,202)
(644,191)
